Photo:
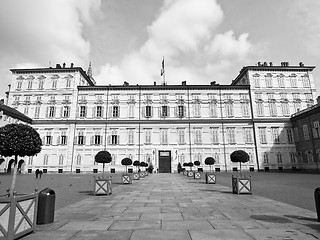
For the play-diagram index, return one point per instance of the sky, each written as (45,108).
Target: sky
(126,40)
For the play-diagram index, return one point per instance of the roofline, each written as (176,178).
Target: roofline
(270,68)
(162,87)
(51,69)
(15,113)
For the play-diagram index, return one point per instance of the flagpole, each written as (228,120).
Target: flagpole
(163,73)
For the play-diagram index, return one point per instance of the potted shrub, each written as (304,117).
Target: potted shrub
(126,178)
(18,212)
(197,174)
(210,177)
(240,184)
(185,172)
(141,173)
(102,186)
(150,168)
(145,169)
(136,175)
(190,173)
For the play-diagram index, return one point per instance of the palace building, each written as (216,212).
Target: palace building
(162,125)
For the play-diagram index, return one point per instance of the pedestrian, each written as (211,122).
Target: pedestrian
(37,173)
(40,173)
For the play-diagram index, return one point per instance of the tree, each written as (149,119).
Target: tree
(144,164)
(18,140)
(209,161)
(197,163)
(239,156)
(136,164)
(103,157)
(126,162)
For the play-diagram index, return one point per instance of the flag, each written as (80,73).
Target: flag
(162,69)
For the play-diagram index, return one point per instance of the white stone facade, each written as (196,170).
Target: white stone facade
(76,118)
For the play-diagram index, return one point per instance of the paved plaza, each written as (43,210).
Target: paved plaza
(172,206)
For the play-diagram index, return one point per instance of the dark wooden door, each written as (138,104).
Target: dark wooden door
(164,161)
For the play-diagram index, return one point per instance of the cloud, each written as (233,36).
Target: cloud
(39,31)
(186,33)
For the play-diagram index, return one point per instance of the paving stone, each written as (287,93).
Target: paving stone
(160,235)
(161,216)
(186,224)
(50,235)
(99,235)
(86,225)
(134,225)
(280,233)
(230,234)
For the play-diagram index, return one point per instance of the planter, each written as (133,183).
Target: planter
(141,174)
(18,215)
(190,174)
(146,173)
(126,178)
(241,185)
(102,186)
(136,176)
(210,178)
(197,175)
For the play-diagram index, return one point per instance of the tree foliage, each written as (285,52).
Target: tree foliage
(126,161)
(239,156)
(103,157)
(19,140)
(197,163)
(209,161)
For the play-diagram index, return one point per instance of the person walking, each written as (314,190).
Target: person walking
(37,173)
(40,173)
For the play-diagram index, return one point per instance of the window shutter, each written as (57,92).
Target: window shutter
(168,111)
(61,112)
(75,142)
(118,139)
(110,112)
(151,111)
(47,112)
(160,111)
(315,133)
(54,111)
(118,111)
(176,111)
(66,139)
(84,140)
(58,140)
(94,110)
(91,140)
(109,139)
(184,111)
(43,140)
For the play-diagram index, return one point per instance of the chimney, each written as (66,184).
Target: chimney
(71,65)
(318,100)
(301,64)
(154,83)
(64,65)
(271,64)
(184,83)
(58,65)
(213,83)
(1,101)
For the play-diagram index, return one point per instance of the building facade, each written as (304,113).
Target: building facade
(306,129)
(162,125)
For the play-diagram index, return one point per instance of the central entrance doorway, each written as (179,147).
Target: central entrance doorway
(164,161)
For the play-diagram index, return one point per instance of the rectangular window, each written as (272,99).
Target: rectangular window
(281,82)
(275,134)
(245,109)
(198,136)
(30,84)
(213,109)
(279,157)
(40,84)
(265,157)
(273,109)
(68,83)
(285,109)
(316,130)
(148,111)
(290,135)
(51,111)
(99,111)
(37,112)
(66,111)
(229,109)
(115,111)
(164,111)
(80,140)
(215,135)
(114,139)
(293,157)
(19,85)
(61,160)
(268,82)
(180,111)
(297,106)
(163,136)
(262,135)
(131,110)
(131,136)
(305,82)
(305,132)
(147,136)
(256,82)
(181,135)
(231,135)
(293,82)
(26,110)
(196,110)
(83,111)
(260,109)
(54,84)
(48,139)
(248,135)
(63,139)
(97,139)
(296,96)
